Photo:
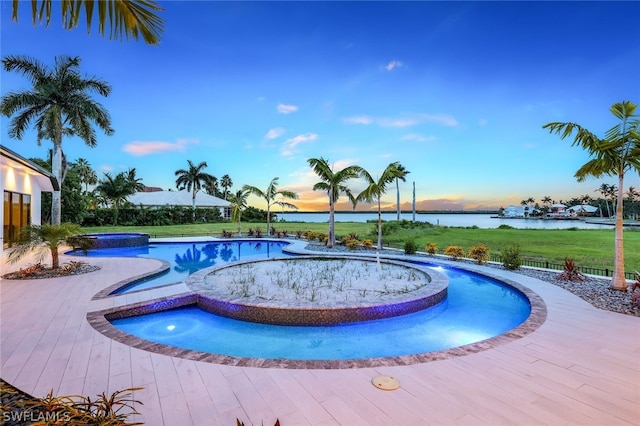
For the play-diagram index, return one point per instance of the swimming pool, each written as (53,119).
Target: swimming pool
(477,308)
(186,258)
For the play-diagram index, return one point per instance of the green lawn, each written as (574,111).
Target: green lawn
(590,248)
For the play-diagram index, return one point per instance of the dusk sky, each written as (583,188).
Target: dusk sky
(457,92)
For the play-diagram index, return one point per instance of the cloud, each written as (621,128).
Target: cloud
(415,137)
(363,119)
(275,133)
(406,120)
(392,65)
(286,109)
(142,148)
(288,148)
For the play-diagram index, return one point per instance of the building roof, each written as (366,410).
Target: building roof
(176,198)
(45,178)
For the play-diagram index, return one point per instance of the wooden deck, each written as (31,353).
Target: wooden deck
(582,366)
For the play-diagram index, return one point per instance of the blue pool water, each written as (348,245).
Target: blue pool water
(476,309)
(187,258)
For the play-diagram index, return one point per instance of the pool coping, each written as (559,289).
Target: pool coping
(100,322)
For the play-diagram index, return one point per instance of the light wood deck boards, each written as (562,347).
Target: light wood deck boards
(581,367)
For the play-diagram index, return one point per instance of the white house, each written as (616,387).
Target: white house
(514,211)
(22,183)
(180,198)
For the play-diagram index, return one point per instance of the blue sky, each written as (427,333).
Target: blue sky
(455,91)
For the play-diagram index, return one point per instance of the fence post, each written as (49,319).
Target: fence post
(606,271)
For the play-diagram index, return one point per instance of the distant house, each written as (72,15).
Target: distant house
(180,198)
(558,211)
(582,210)
(514,211)
(22,183)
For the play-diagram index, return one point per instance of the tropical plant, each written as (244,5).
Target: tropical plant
(226,183)
(402,177)
(269,195)
(615,155)
(238,205)
(59,105)
(117,189)
(42,240)
(128,18)
(480,253)
(86,173)
(431,248)
(376,188)
(333,183)
(193,179)
(454,252)
(410,247)
(510,256)
(571,271)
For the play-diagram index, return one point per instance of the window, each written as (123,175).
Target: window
(17,215)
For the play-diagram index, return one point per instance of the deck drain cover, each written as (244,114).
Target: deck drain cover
(386,382)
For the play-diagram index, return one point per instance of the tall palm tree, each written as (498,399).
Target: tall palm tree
(333,183)
(133,181)
(59,105)
(376,189)
(226,183)
(238,203)
(404,172)
(615,155)
(269,195)
(128,18)
(604,190)
(88,176)
(211,186)
(193,179)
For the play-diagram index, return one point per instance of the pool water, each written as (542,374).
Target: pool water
(476,309)
(187,258)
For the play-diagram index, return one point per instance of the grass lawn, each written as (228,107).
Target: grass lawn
(588,247)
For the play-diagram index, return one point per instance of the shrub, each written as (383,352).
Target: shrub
(571,271)
(480,253)
(351,243)
(431,248)
(503,226)
(511,257)
(454,252)
(367,242)
(410,247)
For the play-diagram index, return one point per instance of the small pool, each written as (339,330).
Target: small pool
(187,258)
(477,308)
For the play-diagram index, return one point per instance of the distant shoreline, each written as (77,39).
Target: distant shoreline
(395,211)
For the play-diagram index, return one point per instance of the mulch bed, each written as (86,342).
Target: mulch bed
(38,271)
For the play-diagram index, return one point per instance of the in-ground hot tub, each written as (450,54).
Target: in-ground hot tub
(116,240)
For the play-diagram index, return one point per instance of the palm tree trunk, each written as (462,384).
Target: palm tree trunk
(268,218)
(398,197)
(619,281)
(56,169)
(193,204)
(55,259)
(331,221)
(379,225)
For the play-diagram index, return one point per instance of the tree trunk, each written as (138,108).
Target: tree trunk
(268,218)
(379,225)
(55,260)
(619,282)
(193,205)
(331,221)
(56,169)
(398,198)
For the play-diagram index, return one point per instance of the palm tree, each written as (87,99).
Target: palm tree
(604,190)
(269,195)
(616,154)
(333,183)
(87,175)
(193,179)
(376,189)
(226,183)
(43,240)
(128,18)
(238,203)
(133,181)
(211,186)
(59,105)
(404,173)
(117,189)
